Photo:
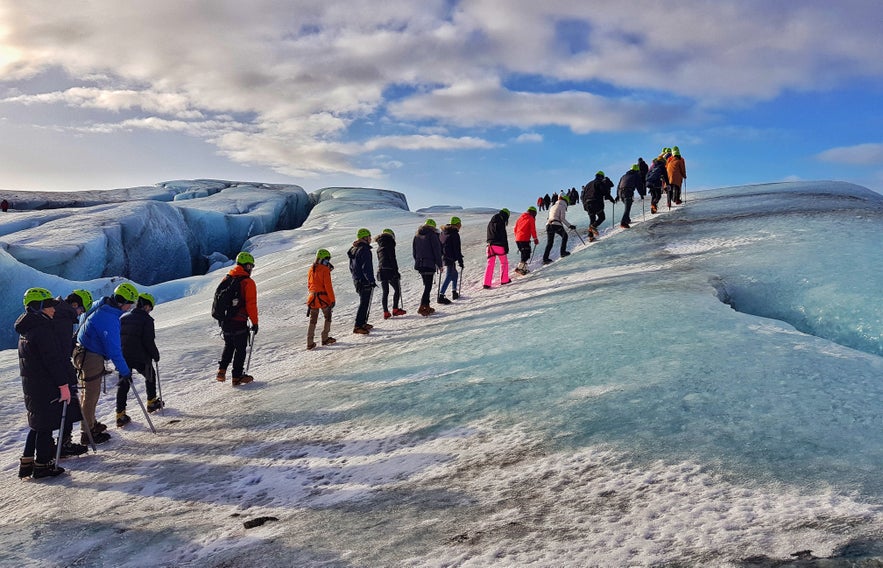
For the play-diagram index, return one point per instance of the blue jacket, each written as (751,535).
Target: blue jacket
(101,334)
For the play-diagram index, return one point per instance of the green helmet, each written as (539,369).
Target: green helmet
(36,295)
(599,173)
(505,211)
(389,232)
(244,258)
(532,208)
(676,151)
(635,167)
(126,291)
(323,253)
(455,221)
(145,297)
(430,222)
(362,233)
(85,297)
(563,197)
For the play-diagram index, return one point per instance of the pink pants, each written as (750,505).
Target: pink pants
(493,252)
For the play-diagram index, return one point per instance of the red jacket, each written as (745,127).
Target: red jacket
(526,227)
(319,284)
(249,293)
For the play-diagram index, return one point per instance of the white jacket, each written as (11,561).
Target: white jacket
(557,214)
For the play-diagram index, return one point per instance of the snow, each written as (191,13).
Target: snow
(610,409)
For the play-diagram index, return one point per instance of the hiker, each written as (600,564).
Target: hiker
(388,273)
(573,196)
(540,203)
(625,192)
(426,249)
(657,178)
(497,246)
(676,168)
(362,270)
(234,328)
(138,337)
(44,382)
(4,205)
(321,297)
(67,314)
(547,202)
(452,255)
(525,230)
(99,339)
(643,168)
(594,194)
(555,225)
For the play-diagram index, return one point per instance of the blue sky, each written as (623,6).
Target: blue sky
(471,103)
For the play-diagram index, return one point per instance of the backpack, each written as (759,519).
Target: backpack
(225,304)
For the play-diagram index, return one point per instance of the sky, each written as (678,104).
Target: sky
(474,102)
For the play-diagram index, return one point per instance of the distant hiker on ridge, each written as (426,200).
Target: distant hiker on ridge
(555,225)
(657,178)
(677,173)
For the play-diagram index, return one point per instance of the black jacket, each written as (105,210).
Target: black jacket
(138,338)
(387,264)
(361,266)
(496,231)
(42,363)
(426,249)
(451,250)
(596,191)
(628,183)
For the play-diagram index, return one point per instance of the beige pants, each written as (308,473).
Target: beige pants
(314,318)
(90,370)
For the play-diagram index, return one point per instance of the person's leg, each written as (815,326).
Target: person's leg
(89,402)
(563,233)
(149,381)
(489,270)
(504,266)
(122,395)
(550,241)
(450,276)
(311,327)
(326,329)
(364,293)
(396,284)
(384,297)
(240,349)
(427,287)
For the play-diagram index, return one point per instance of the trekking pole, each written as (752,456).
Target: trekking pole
(141,404)
(578,235)
(685,190)
(250,347)
(532,251)
(370,300)
(159,390)
(60,433)
(643,214)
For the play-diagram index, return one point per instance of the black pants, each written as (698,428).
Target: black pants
(396,295)
(149,384)
(524,249)
(626,219)
(364,290)
(674,191)
(427,287)
(551,230)
(596,214)
(39,442)
(235,346)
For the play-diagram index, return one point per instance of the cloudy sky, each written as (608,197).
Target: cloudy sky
(471,102)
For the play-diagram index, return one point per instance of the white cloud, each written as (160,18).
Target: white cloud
(861,154)
(529,137)
(432,142)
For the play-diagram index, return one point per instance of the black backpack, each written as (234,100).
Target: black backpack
(226,301)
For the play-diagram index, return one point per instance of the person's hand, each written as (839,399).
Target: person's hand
(374,284)
(332,305)
(461,265)
(254,329)
(65,395)
(536,241)
(126,379)
(573,227)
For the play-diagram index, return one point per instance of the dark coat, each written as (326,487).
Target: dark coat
(451,250)
(657,176)
(628,184)
(387,264)
(643,168)
(43,368)
(426,249)
(361,265)
(138,336)
(496,231)
(596,191)
(63,324)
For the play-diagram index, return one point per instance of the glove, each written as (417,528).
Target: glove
(536,241)
(254,329)
(332,305)
(65,395)
(126,379)
(573,227)
(461,264)
(374,284)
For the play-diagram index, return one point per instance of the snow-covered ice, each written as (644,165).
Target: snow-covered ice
(701,389)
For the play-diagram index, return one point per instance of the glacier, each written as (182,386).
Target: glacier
(701,389)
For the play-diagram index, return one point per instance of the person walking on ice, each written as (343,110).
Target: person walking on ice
(426,249)
(235,328)
(497,247)
(452,255)
(594,194)
(362,270)
(625,191)
(388,273)
(138,336)
(555,226)
(321,297)
(525,230)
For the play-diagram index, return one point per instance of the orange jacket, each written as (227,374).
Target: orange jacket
(525,228)
(677,170)
(319,285)
(249,292)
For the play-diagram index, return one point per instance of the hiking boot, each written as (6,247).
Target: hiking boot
(565,253)
(442,299)
(99,427)
(455,295)
(678,202)
(329,341)
(25,467)
(431,309)
(99,437)
(122,419)
(311,346)
(595,230)
(625,226)
(361,330)
(547,261)
(42,470)
(653,209)
(506,282)
(222,375)
(69,448)
(399,311)
(423,310)
(386,315)
(486,287)
(243,380)
(154,405)
(591,237)
(368,326)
